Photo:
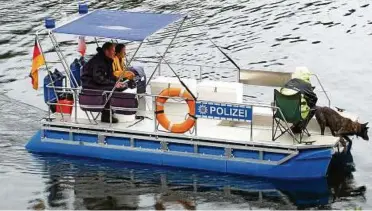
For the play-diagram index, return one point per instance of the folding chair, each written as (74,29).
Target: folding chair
(288,112)
(92,101)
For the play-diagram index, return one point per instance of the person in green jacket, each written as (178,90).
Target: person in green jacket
(300,82)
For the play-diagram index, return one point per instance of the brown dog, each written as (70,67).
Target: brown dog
(339,125)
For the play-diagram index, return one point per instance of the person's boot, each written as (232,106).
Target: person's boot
(295,129)
(114,119)
(105,117)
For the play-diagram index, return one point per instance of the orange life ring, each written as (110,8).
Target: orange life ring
(162,118)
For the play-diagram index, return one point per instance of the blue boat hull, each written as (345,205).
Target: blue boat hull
(307,164)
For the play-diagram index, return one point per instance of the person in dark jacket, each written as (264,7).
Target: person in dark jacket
(98,75)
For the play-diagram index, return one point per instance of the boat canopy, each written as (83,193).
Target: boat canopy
(116,24)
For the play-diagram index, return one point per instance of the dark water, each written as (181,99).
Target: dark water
(331,38)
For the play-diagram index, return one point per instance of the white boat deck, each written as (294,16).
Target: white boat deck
(212,130)
(207,129)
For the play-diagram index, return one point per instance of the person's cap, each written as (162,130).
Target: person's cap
(302,73)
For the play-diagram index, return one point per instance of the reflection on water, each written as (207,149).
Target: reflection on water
(76,183)
(341,180)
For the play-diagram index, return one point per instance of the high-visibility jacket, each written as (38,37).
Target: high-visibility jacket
(305,109)
(300,82)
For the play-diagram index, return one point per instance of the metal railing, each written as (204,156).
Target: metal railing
(193,131)
(76,91)
(199,69)
(323,90)
(202,69)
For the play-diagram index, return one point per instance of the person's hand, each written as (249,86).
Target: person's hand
(129,75)
(120,85)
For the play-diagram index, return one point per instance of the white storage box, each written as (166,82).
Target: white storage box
(161,82)
(220,91)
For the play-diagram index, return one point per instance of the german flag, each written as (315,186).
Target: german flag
(37,61)
(82,47)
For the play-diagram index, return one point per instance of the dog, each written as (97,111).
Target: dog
(339,125)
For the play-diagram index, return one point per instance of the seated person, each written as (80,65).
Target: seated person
(130,73)
(300,82)
(98,74)
(119,66)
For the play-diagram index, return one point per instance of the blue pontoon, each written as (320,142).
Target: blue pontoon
(191,123)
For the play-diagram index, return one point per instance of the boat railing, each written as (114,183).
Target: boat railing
(200,72)
(193,131)
(323,90)
(192,71)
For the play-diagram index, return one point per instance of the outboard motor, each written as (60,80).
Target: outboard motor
(52,79)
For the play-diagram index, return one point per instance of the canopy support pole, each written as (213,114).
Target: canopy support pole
(62,58)
(51,79)
(182,83)
(95,39)
(228,57)
(135,53)
(166,50)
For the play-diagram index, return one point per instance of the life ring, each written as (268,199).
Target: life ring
(162,118)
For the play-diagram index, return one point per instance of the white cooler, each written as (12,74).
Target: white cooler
(220,91)
(161,82)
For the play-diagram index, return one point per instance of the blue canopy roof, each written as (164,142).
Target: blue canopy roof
(115,24)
